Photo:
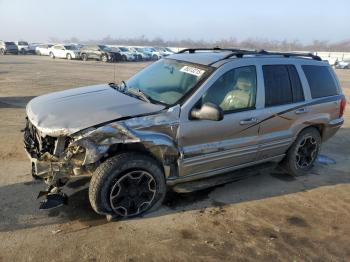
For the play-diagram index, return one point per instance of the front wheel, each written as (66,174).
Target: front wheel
(2,51)
(69,57)
(52,55)
(127,185)
(303,153)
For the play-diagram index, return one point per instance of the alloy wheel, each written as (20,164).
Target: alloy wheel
(133,193)
(306,152)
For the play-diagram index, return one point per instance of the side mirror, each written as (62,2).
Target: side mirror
(208,111)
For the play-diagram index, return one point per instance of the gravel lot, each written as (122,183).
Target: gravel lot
(266,216)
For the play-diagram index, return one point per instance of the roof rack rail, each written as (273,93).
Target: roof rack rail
(264,52)
(241,52)
(193,50)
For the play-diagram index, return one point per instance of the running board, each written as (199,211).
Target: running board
(233,176)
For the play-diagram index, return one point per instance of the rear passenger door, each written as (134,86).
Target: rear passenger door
(284,100)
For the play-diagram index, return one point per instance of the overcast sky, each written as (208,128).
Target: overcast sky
(303,20)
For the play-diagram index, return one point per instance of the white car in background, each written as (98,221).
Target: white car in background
(155,55)
(43,49)
(164,51)
(342,65)
(64,51)
(126,54)
(23,47)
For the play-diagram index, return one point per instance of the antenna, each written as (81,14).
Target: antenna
(115,68)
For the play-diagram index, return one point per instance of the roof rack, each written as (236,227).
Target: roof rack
(241,52)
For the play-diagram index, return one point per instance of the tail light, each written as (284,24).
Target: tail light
(342,107)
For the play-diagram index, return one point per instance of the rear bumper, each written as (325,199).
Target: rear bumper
(332,127)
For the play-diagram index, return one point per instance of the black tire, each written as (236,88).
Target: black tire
(52,55)
(303,152)
(2,51)
(38,52)
(116,173)
(154,57)
(69,57)
(84,57)
(104,58)
(124,58)
(23,52)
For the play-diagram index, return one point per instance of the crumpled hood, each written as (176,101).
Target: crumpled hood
(69,111)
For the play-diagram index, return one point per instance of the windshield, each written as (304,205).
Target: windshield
(9,43)
(167,81)
(22,43)
(70,47)
(104,48)
(124,49)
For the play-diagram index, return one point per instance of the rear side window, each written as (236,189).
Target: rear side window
(282,85)
(320,81)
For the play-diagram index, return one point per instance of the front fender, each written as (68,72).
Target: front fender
(97,142)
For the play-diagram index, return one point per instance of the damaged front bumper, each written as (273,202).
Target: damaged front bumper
(50,159)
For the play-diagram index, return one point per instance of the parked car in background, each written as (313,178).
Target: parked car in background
(32,48)
(164,51)
(155,55)
(100,52)
(43,49)
(64,51)
(23,47)
(145,55)
(126,54)
(342,65)
(139,55)
(8,48)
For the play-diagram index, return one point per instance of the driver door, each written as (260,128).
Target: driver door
(219,146)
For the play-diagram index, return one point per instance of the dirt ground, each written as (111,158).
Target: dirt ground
(265,217)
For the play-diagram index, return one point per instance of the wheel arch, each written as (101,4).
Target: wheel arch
(111,140)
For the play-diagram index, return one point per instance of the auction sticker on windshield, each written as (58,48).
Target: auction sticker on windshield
(192,70)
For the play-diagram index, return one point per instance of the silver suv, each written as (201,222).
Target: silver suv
(188,117)
(8,48)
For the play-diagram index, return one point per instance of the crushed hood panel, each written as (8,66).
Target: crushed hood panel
(69,111)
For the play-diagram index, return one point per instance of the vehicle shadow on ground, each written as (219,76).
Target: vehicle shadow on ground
(15,101)
(20,207)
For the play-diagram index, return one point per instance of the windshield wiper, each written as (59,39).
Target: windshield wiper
(138,93)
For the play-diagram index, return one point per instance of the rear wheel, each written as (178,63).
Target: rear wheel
(2,51)
(127,185)
(124,58)
(69,57)
(155,57)
(52,55)
(303,153)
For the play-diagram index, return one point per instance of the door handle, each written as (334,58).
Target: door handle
(248,121)
(302,110)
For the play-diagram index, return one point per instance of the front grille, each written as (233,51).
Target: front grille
(36,145)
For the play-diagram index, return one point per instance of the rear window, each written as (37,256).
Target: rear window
(282,85)
(320,81)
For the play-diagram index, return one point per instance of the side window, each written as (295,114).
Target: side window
(320,81)
(234,90)
(278,90)
(282,85)
(297,88)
